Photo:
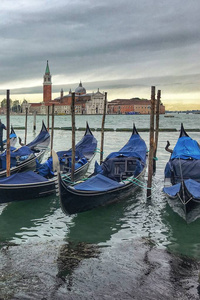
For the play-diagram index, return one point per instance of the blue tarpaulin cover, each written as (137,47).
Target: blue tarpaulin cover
(22,151)
(86,145)
(135,147)
(192,186)
(12,135)
(97,183)
(186,148)
(42,136)
(178,169)
(22,178)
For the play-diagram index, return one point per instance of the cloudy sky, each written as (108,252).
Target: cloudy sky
(122,47)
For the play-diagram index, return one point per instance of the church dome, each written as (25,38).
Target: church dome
(80,89)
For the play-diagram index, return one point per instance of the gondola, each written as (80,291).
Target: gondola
(31,185)
(116,178)
(182,178)
(24,158)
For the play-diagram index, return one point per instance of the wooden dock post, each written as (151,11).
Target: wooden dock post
(102,128)
(156,128)
(151,143)
(8,134)
(34,120)
(73,137)
(52,127)
(26,125)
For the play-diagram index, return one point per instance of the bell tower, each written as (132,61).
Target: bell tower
(47,85)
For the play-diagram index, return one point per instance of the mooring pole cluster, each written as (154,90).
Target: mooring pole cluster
(153,137)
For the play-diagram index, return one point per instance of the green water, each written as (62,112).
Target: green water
(42,220)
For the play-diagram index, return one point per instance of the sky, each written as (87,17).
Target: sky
(121,47)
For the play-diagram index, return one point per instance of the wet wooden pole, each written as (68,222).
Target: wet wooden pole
(73,136)
(34,120)
(151,143)
(156,128)
(48,107)
(8,134)
(102,128)
(52,127)
(26,125)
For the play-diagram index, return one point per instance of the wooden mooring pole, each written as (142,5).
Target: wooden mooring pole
(26,117)
(151,143)
(73,136)
(102,128)
(8,134)
(52,127)
(156,128)
(34,120)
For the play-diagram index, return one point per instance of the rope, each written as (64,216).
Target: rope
(98,151)
(134,180)
(68,180)
(184,203)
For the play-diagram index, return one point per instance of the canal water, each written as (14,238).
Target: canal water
(42,220)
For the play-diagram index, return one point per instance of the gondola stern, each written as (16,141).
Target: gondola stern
(134,130)
(88,130)
(182,131)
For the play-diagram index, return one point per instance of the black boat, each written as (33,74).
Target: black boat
(24,158)
(116,178)
(30,185)
(182,177)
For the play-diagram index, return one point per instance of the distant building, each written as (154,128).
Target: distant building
(85,103)
(47,93)
(134,105)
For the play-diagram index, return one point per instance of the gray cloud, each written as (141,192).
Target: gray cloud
(119,40)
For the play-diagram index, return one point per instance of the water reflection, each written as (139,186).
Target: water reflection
(184,238)
(19,221)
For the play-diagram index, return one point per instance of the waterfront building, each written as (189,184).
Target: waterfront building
(85,103)
(134,105)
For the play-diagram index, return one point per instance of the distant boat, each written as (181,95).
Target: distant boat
(132,113)
(169,116)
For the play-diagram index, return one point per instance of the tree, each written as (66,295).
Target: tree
(4,102)
(16,107)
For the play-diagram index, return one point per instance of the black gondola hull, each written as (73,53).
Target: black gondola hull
(189,209)
(73,201)
(20,192)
